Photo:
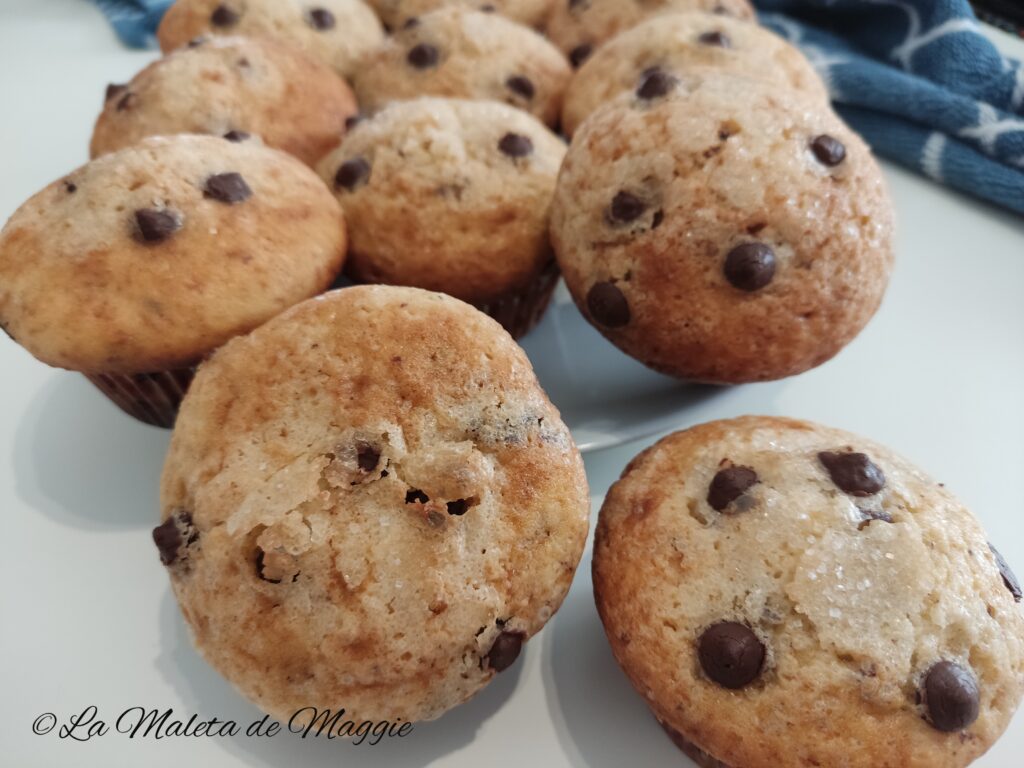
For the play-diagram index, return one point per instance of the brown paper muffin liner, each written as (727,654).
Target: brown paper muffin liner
(152,398)
(691,750)
(520,311)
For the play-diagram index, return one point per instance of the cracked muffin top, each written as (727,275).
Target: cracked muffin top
(336,32)
(787,594)
(149,258)
(370,503)
(231,86)
(721,229)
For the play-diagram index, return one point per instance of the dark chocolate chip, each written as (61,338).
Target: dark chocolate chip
(716,38)
(750,266)
(70,187)
(522,86)
(176,531)
(155,226)
(113,89)
(505,650)
(352,121)
(580,53)
(458,507)
(731,654)
(828,150)
(625,207)
(655,84)
(320,19)
(729,484)
(1009,579)
(352,174)
(127,101)
(237,136)
(423,56)
(487,8)
(515,145)
(575,4)
(224,16)
(367,456)
(227,188)
(414,496)
(853,473)
(607,305)
(950,696)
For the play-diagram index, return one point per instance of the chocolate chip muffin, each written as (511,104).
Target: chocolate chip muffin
(680,42)
(452,196)
(134,267)
(395,13)
(786,594)
(466,54)
(578,27)
(232,87)
(336,32)
(370,503)
(721,229)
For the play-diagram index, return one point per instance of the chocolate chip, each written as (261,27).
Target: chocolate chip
(367,456)
(607,305)
(950,696)
(237,136)
(127,101)
(505,650)
(352,121)
(113,89)
(750,266)
(625,207)
(522,86)
(320,19)
(423,56)
(729,484)
(655,84)
(175,531)
(70,187)
(719,39)
(223,16)
(414,496)
(227,188)
(731,654)
(853,473)
(1009,579)
(352,174)
(576,4)
(155,226)
(580,53)
(487,8)
(828,150)
(458,507)
(515,145)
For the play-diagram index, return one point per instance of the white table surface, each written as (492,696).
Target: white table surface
(86,612)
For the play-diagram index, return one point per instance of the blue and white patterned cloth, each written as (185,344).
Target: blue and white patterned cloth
(135,21)
(920,83)
(914,77)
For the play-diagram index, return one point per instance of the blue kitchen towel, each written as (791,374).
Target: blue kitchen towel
(135,21)
(920,83)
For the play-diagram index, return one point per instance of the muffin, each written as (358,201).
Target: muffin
(395,13)
(721,229)
(452,196)
(231,86)
(680,42)
(134,267)
(578,27)
(336,32)
(370,503)
(466,54)
(785,595)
